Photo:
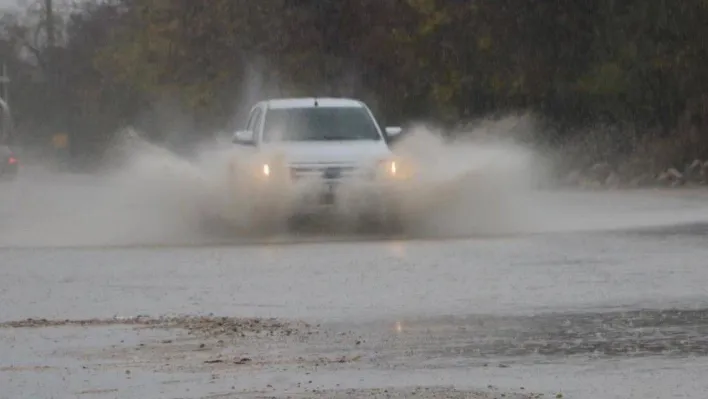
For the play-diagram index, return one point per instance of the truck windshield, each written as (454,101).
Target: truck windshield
(319,123)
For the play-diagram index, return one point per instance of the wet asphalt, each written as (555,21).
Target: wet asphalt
(616,312)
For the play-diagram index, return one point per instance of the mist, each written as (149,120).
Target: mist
(153,196)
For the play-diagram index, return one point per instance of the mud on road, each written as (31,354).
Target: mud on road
(222,357)
(204,357)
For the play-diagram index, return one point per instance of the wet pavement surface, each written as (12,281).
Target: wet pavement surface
(620,312)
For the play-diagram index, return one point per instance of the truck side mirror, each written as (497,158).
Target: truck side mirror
(243,137)
(393,131)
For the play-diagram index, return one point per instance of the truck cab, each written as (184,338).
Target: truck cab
(316,149)
(326,136)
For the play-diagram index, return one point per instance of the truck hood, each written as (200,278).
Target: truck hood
(337,152)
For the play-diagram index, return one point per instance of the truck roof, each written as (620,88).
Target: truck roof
(309,102)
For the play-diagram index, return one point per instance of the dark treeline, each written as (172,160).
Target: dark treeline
(638,63)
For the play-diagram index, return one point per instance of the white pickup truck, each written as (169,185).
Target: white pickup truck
(315,154)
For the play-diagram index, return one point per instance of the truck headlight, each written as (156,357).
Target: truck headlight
(391,168)
(387,168)
(266,169)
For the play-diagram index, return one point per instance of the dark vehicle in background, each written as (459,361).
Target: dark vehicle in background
(9,164)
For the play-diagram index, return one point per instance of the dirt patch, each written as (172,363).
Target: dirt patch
(97,391)
(199,343)
(204,326)
(220,357)
(9,369)
(392,393)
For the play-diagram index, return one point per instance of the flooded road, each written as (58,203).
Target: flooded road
(609,299)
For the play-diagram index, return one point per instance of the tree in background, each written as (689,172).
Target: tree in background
(636,64)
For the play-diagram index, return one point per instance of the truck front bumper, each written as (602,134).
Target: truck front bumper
(345,196)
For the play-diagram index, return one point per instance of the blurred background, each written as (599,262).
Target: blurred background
(621,82)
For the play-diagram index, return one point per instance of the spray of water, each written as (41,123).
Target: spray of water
(152,196)
(467,186)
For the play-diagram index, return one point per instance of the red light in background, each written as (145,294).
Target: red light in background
(12,161)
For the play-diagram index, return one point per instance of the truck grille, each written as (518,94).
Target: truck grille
(323,171)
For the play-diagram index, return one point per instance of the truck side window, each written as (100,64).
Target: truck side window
(258,122)
(253,120)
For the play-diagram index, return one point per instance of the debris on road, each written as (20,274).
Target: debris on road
(207,326)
